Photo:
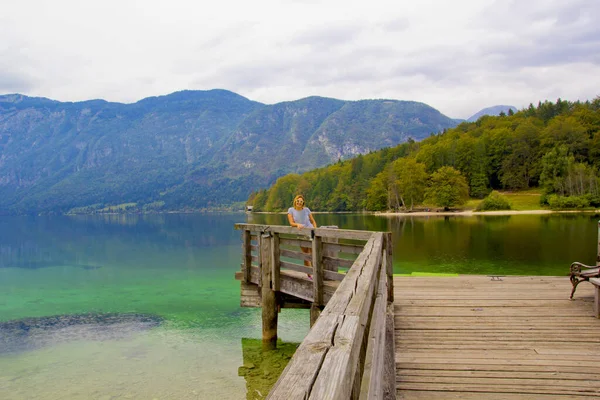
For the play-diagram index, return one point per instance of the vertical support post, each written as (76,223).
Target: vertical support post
(598,253)
(315,312)
(269,299)
(317,265)
(260,258)
(389,265)
(275,263)
(596,299)
(247,252)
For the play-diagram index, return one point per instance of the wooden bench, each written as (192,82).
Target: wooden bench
(596,283)
(582,273)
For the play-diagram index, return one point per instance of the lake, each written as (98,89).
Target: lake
(146,306)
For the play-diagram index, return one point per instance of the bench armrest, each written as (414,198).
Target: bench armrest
(576,267)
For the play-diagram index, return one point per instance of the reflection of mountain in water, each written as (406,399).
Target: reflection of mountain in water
(27,264)
(89,241)
(33,333)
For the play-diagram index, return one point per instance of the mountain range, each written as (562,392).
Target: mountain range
(494,110)
(184,151)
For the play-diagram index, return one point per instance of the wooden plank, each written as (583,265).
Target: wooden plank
(337,374)
(322,232)
(372,385)
(298,377)
(297,255)
(335,248)
(389,390)
(247,255)
(517,338)
(574,377)
(344,320)
(333,263)
(596,283)
(389,266)
(346,290)
(295,243)
(331,275)
(275,262)
(250,295)
(317,266)
(269,299)
(295,267)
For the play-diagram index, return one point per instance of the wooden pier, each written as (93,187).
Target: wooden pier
(479,337)
(375,336)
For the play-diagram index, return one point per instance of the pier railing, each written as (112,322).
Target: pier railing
(349,351)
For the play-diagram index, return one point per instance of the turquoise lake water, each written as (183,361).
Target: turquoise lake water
(147,307)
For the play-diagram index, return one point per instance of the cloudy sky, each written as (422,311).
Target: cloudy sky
(457,56)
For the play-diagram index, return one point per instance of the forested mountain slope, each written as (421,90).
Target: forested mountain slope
(186,150)
(554,146)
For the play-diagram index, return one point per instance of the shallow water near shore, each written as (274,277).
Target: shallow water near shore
(145,307)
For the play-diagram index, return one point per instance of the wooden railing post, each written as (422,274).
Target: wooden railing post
(275,255)
(247,252)
(598,254)
(269,299)
(317,265)
(389,266)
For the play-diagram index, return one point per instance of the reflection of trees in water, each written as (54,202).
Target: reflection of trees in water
(261,369)
(489,244)
(35,242)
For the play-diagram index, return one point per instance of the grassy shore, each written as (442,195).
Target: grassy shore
(523,202)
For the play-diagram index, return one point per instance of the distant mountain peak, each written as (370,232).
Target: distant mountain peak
(493,110)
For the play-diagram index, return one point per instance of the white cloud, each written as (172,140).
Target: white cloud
(456,56)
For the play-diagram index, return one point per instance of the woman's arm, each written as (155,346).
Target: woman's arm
(312,220)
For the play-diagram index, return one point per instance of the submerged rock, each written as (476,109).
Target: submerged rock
(32,333)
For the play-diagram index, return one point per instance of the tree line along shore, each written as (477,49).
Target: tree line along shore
(544,157)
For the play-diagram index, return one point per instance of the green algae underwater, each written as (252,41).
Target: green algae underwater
(129,306)
(147,307)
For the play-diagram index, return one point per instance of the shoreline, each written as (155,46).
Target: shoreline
(464,213)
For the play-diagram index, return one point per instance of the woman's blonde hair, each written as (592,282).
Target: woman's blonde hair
(298,197)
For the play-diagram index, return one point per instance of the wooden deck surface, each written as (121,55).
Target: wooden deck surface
(471,337)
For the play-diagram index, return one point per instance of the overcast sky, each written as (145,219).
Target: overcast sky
(457,56)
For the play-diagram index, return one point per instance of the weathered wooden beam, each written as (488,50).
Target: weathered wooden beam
(336,379)
(343,248)
(295,243)
(332,262)
(295,267)
(315,312)
(596,283)
(332,275)
(275,262)
(328,360)
(389,385)
(269,298)
(247,255)
(373,378)
(317,266)
(323,232)
(297,255)
(389,265)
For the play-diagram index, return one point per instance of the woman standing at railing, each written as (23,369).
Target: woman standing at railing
(301,217)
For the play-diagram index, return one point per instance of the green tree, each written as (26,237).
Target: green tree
(260,200)
(282,193)
(411,181)
(447,188)
(377,193)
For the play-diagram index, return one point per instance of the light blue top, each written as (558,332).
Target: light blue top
(301,216)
